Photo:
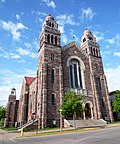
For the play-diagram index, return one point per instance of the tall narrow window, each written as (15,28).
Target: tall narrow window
(52,24)
(84,39)
(99,83)
(53,74)
(80,78)
(102,100)
(75,74)
(52,39)
(71,76)
(52,57)
(56,40)
(96,52)
(53,99)
(91,50)
(48,38)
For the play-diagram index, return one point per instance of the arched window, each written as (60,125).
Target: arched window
(56,40)
(52,75)
(52,39)
(48,38)
(53,99)
(75,74)
(99,83)
(90,38)
(52,24)
(103,104)
(52,57)
(84,39)
(96,52)
(91,50)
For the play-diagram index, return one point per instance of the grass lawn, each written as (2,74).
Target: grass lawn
(9,129)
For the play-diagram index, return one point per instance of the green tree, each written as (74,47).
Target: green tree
(116,103)
(2,112)
(72,104)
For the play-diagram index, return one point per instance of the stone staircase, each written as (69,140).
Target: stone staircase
(29,125)
(84,123)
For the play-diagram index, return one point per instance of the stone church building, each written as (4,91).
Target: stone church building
(60,69)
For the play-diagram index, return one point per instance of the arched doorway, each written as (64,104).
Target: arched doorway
(88,111)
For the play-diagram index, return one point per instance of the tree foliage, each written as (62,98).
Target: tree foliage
(116,103)
(2,112)
(72,103)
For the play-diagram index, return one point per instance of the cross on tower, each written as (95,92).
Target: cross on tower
(73,38)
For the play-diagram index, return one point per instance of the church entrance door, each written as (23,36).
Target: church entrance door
(87,111)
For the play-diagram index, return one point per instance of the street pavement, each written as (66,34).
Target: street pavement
(7,138)
(100,136)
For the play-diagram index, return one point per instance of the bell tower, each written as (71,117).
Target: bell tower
(49,74)
(102,108)
(50,34)
(11,109)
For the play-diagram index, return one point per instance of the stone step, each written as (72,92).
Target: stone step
(86,122)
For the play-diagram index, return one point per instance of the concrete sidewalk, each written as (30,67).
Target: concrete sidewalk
(14,133)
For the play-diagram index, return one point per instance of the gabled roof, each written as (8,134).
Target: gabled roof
(29,80)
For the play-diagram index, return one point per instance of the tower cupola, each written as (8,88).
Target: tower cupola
(87,36)
(50,34)
(13,91)
(50,22)
(89,44)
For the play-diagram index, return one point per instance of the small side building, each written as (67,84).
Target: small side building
(12,110)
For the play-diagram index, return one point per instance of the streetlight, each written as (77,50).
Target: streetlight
(60,119)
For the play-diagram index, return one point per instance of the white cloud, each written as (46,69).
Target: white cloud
(63,20)
(115,40)
(113,79)
(25,52)
(61,28)
(21,61)
(11,79)
(105,53)
(8,55)
(14,56)
(110,41)
(17,17)
(87,14)
(39,16)
(117,54)
(28,45)
(3,1)
(66,19)
(38,13)
(99,36)
(13,28)
(107,46)
(36,44)
(64,38)
(8,80)
(40,20)
(49,3)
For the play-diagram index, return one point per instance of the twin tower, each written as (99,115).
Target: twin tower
(60,69)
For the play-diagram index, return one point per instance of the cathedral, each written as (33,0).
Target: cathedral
(73,67)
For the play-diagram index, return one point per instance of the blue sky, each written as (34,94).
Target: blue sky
(20,26)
